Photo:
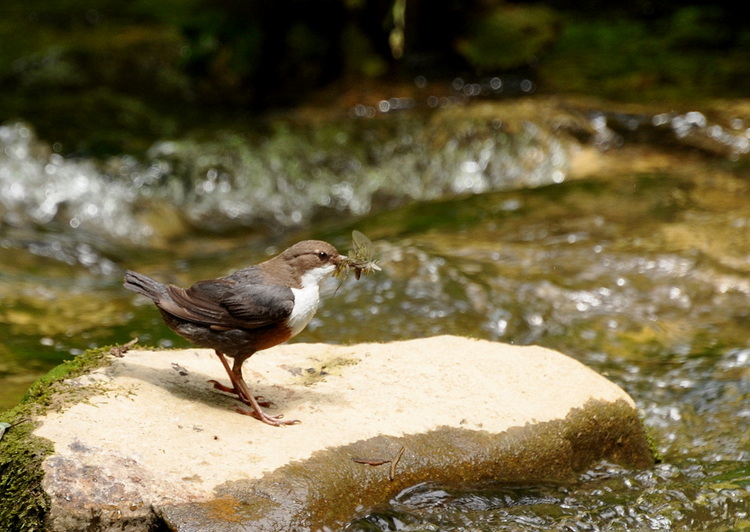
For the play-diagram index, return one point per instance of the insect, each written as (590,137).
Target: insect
(361,258)
(5,426)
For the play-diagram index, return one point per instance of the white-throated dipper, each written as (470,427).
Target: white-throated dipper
(252,309)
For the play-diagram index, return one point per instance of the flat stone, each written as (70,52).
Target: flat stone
(157,446)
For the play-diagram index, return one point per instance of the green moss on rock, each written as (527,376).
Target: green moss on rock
(23,503)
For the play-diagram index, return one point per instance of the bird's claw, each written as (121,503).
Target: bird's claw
(274,421)
(223,388)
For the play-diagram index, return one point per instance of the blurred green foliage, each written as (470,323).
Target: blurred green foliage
(692,53)
(101,76)
(508,37)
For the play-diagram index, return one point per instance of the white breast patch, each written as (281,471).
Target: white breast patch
(306,298)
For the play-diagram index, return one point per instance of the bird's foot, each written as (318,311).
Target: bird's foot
(258,398)
(223,388)
(274,421)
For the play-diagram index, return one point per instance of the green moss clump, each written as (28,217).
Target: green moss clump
(23,503)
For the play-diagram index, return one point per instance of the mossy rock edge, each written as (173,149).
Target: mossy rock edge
(24,505)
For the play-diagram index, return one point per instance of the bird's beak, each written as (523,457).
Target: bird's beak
(341,264)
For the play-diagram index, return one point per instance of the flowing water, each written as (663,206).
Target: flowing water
(620,237)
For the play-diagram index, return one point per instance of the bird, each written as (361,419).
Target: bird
(250,310)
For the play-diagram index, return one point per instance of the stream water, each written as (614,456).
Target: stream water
(620,237)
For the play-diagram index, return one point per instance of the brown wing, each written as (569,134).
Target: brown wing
(228,303)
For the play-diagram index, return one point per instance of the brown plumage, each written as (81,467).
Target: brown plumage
(250,310)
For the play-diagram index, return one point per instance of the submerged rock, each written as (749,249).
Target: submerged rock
(155,445)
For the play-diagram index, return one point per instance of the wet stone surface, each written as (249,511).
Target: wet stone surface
(457,411)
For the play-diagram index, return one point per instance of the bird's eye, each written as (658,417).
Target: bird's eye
(322,255)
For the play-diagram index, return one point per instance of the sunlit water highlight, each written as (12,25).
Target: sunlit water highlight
(644,276)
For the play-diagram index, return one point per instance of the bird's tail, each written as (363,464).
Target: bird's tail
(144,285)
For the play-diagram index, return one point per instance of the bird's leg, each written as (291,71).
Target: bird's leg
(234,388)
(240,388)
(256,412)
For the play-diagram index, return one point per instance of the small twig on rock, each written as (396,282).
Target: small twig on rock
(392,471)
(120,350)
(371,461)
(382,461)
